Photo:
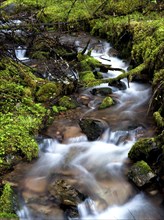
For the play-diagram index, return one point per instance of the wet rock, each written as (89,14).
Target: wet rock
(66,196)
(101,91)
(37,185)
(141,174)
(64,193)
(119,84)
(84,99)
(16,176)
(48,210)
(113,52)
(93,128)
(72,133)
(141,77)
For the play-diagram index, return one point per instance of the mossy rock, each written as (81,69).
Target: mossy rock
(49,91)
(87,79)
(87,63)
(107,102)
(145,149)
(140,173)
(67,102)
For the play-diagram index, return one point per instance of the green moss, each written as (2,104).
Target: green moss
(143,167)
(141,173)
(17,138)
(20,116)
(67,102)
(48,91)
(57,109)
(141,149)
(87,79)
(87,62)
(107,102)
(159,119)
(6,199)
(158,77)
(40,55)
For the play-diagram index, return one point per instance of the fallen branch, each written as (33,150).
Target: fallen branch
(129,75)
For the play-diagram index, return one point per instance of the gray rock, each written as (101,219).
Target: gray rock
(141,174)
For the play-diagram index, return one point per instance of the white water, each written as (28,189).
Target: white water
(98,167)
(20,53)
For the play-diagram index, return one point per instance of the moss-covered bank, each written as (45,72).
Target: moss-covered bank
(20,116)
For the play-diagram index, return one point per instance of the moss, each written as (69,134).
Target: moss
(48,91)
(143,167)
(141,173)
(57,109)
(158,77)
(6,200)
(87,62)
(67,102)
(17,138)
(20,116)
(107,102)
(87,79)
(141,149)
(40,55)
(159,119)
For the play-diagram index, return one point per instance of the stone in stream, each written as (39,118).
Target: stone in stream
(93,128)
(101,91)
(141,174)
(66,196)
(119,84)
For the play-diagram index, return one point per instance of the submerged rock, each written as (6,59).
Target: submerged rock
(141,174)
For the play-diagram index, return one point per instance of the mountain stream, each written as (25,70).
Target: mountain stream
(98,168)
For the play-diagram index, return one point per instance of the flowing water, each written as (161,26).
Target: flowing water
(98,168)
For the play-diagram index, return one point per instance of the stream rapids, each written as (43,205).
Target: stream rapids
(96,168)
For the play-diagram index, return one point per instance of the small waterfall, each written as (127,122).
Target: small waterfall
(20,53)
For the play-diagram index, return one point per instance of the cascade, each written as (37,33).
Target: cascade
(99,167)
